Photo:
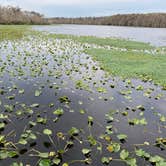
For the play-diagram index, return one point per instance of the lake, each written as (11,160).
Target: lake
(154,36)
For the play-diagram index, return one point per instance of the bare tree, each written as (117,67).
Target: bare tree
(14,15)
(144,20)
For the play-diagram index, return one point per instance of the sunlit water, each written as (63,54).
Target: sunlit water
(155,36)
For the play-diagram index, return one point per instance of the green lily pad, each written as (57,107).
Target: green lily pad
(124,154)
(73,131)
(131,162)
(37,93)
(45,162)
(105,160)
(58,112)
(47,132)
(122,136)
(86,151)
(44,155)
(56,161)
(17,164)
(92,140)
(65,164)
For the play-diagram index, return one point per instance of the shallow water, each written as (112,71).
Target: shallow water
(54,67)
(154,36)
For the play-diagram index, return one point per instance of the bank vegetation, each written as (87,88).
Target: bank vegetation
(157,20)
(14,15)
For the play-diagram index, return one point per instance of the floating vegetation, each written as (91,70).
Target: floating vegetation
(58,107)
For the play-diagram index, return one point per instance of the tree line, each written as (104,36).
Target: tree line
(157,20)
(14,15)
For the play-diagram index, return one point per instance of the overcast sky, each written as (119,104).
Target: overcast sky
(76,8)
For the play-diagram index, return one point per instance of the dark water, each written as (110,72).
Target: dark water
(154,36)
(54,67)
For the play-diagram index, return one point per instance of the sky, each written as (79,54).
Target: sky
(81,8)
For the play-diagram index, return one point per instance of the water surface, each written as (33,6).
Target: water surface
(60,70)
(154,36)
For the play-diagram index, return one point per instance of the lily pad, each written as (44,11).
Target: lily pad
(47,132)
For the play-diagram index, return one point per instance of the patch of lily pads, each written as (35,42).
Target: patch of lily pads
(57,107)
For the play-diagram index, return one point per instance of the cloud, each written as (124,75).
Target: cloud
(87,7)
(78,2)
(39,5)
(42,3)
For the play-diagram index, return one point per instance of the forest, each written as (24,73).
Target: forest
(14,15)
(157,20)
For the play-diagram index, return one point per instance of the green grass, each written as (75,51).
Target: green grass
(132,65)
(121,43)
(11,32)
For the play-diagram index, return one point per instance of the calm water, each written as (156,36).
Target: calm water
(58,68)
(155,36)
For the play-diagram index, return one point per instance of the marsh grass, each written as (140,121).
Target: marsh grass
(113,42)
(131,64)
(11,32)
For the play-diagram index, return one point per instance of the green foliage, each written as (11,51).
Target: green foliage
(45,162)
(11,32)
(73,131)
(58,112)
(92,140)
(130,64)
(37,93)
(16,164)
(47,132)
(121,43)
(124,154)
(122,136)
(86,151)
(105,160)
